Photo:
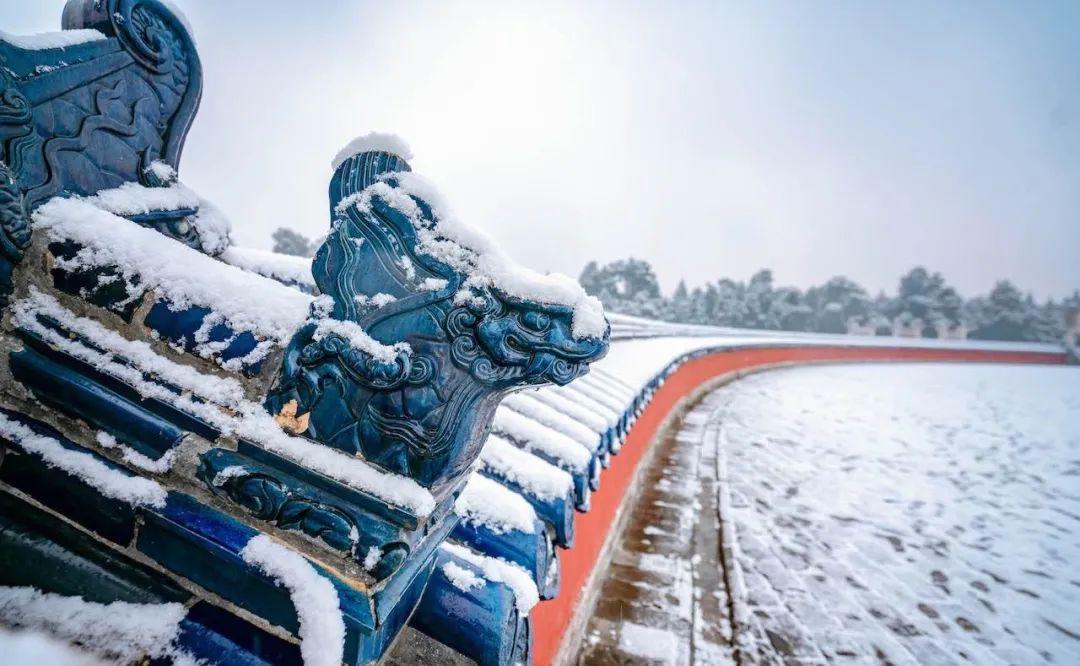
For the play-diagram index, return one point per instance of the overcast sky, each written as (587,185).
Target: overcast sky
(815,138)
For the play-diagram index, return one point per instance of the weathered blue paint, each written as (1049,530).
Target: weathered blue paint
(219,637)
(594,472)
(64,492)
(112,385)
(402,538)
(81,397)
(179,326)
(104,286)
(14,226)
(533,551)
(609,442)
(273,495)
(557,513)
(424,413)
(203,545)
(94,116)
(88,117)
(65,562)
(394,514)
(482,623)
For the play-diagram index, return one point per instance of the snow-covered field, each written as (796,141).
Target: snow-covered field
(909,513)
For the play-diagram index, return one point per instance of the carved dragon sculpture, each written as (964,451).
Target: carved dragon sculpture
(111,110)
(421,408)
(402,361)
(95,115)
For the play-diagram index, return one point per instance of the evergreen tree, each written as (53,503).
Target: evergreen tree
(625,285)
(680,307)
(951,308)
(791,311)
(1003,315)
(919,297)
(839,305)
(758,302)
(696,306)
(727,303)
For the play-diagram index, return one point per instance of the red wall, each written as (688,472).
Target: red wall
(550,619)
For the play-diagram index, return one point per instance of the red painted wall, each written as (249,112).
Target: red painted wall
(550,619)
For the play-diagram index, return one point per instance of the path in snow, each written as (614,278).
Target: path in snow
(663,600)
(906,514)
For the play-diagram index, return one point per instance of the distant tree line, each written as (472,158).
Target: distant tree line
(923,306)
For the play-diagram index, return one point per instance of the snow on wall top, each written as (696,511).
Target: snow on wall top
(461,578)
(217,400)
(373,142)
(536,476)
(635,361)
(178,273)
(119,632)
(133,198)
(495,506)
(471,252)
(318,609)
(134,490)
(498,570)
(52,40)
(282,267)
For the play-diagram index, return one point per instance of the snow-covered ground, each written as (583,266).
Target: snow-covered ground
(909,513)
(861,514)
